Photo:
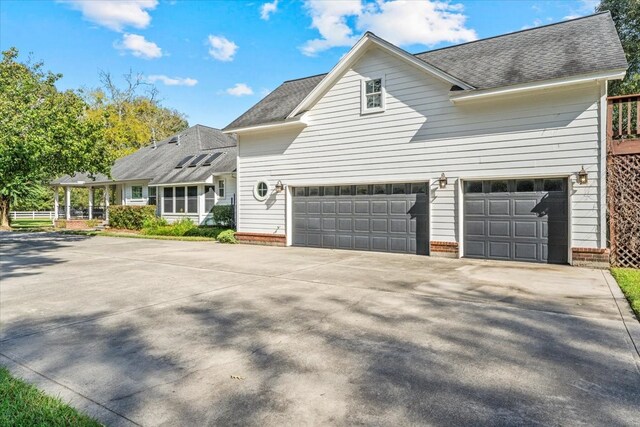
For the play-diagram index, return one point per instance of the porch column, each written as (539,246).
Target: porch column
(90,202)
(56,203)
(106,203)
(67,202)
(123,195)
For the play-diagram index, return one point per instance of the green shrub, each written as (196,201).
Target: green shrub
(93,223)
(130,217)
(205,231)
(154,222)
(162,228)
(223,215)
(227,236)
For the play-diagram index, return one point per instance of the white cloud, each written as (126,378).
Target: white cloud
(138,46)
(568,17)
(221,48)
(267,9)
(240,89)
(401,22)
(116,14)
(172,81)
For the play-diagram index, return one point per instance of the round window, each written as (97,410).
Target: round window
(261,190)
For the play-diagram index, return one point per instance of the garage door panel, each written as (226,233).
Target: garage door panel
(379,225)
(521,226)
(379,207)
(475,228)
(500,250)
(361,207)
(379,243)
(313,224)
(314,239)
(345,207)
(475,249)
(361,225)
(499,228)
(345,224)
(474,207)
(344,241)
(526,251)
(398,207)
(500,207)
(361,243)
(328,224)
(398,226)
(398,244)
(300,207)
(525,229)
(524,207)
(328,241)
(329,207)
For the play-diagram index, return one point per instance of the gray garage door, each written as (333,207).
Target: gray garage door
(520,220)
(380,217)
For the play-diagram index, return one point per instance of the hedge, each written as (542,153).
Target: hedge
(223,215)
(130,217)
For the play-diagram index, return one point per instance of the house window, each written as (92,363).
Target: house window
(136,192)
(179,196)
(192,199)
(221,188)
(261,190)
(373,95)
(168,200)
(152,196)
(209,197)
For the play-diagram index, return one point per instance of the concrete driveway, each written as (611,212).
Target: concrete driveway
(196,333)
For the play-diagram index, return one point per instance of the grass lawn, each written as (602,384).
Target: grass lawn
(22,404)
(30,223)
(138,236)
(629,281)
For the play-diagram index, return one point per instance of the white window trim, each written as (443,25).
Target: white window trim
(363,96)
(224,188)
(255,190)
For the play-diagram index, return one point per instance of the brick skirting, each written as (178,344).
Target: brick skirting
(261,239)
(590,257)
(72,224)
(444,249)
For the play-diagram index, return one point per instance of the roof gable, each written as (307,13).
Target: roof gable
(586,45)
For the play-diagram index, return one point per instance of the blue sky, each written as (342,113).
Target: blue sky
(214,60)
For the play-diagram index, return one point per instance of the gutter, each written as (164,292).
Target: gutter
(462,96)
(287,124)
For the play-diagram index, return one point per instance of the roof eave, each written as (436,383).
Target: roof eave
(286,124)
(463,96)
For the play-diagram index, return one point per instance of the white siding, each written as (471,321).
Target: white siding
(128,193)
(421,135)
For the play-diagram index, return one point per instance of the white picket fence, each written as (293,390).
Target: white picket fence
(32,214)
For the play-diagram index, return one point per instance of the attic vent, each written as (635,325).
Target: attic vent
(183,162)
(197,160)
(174,140)
(211,159)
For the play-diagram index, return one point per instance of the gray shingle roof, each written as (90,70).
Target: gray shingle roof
(278,104)
(580,46)
(158,165)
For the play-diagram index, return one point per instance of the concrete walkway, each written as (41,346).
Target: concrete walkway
(153,332)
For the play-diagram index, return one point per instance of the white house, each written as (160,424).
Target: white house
(488,149)
(185,175)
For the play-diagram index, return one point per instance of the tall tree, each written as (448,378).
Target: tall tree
(626,16)
(44,133)
(131,114)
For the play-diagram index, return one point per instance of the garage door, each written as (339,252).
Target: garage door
(379,217)
(520,220)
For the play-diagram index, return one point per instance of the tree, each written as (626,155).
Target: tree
(44,133)
(626,16)
(131,115)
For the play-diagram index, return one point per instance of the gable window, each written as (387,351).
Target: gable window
(152,196)
(136,192)
(373,95)
(221,188)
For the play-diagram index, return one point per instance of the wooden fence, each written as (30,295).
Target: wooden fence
(623,179)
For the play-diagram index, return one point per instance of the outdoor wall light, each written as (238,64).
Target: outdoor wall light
(583,177)
(279,187)
(442,181)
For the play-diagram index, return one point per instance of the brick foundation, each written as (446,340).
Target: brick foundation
(590,257)
(444,249)
(72,224)
(261,239)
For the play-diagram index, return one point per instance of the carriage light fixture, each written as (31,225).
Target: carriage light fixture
(279,187)
(583,177)
(442,181)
